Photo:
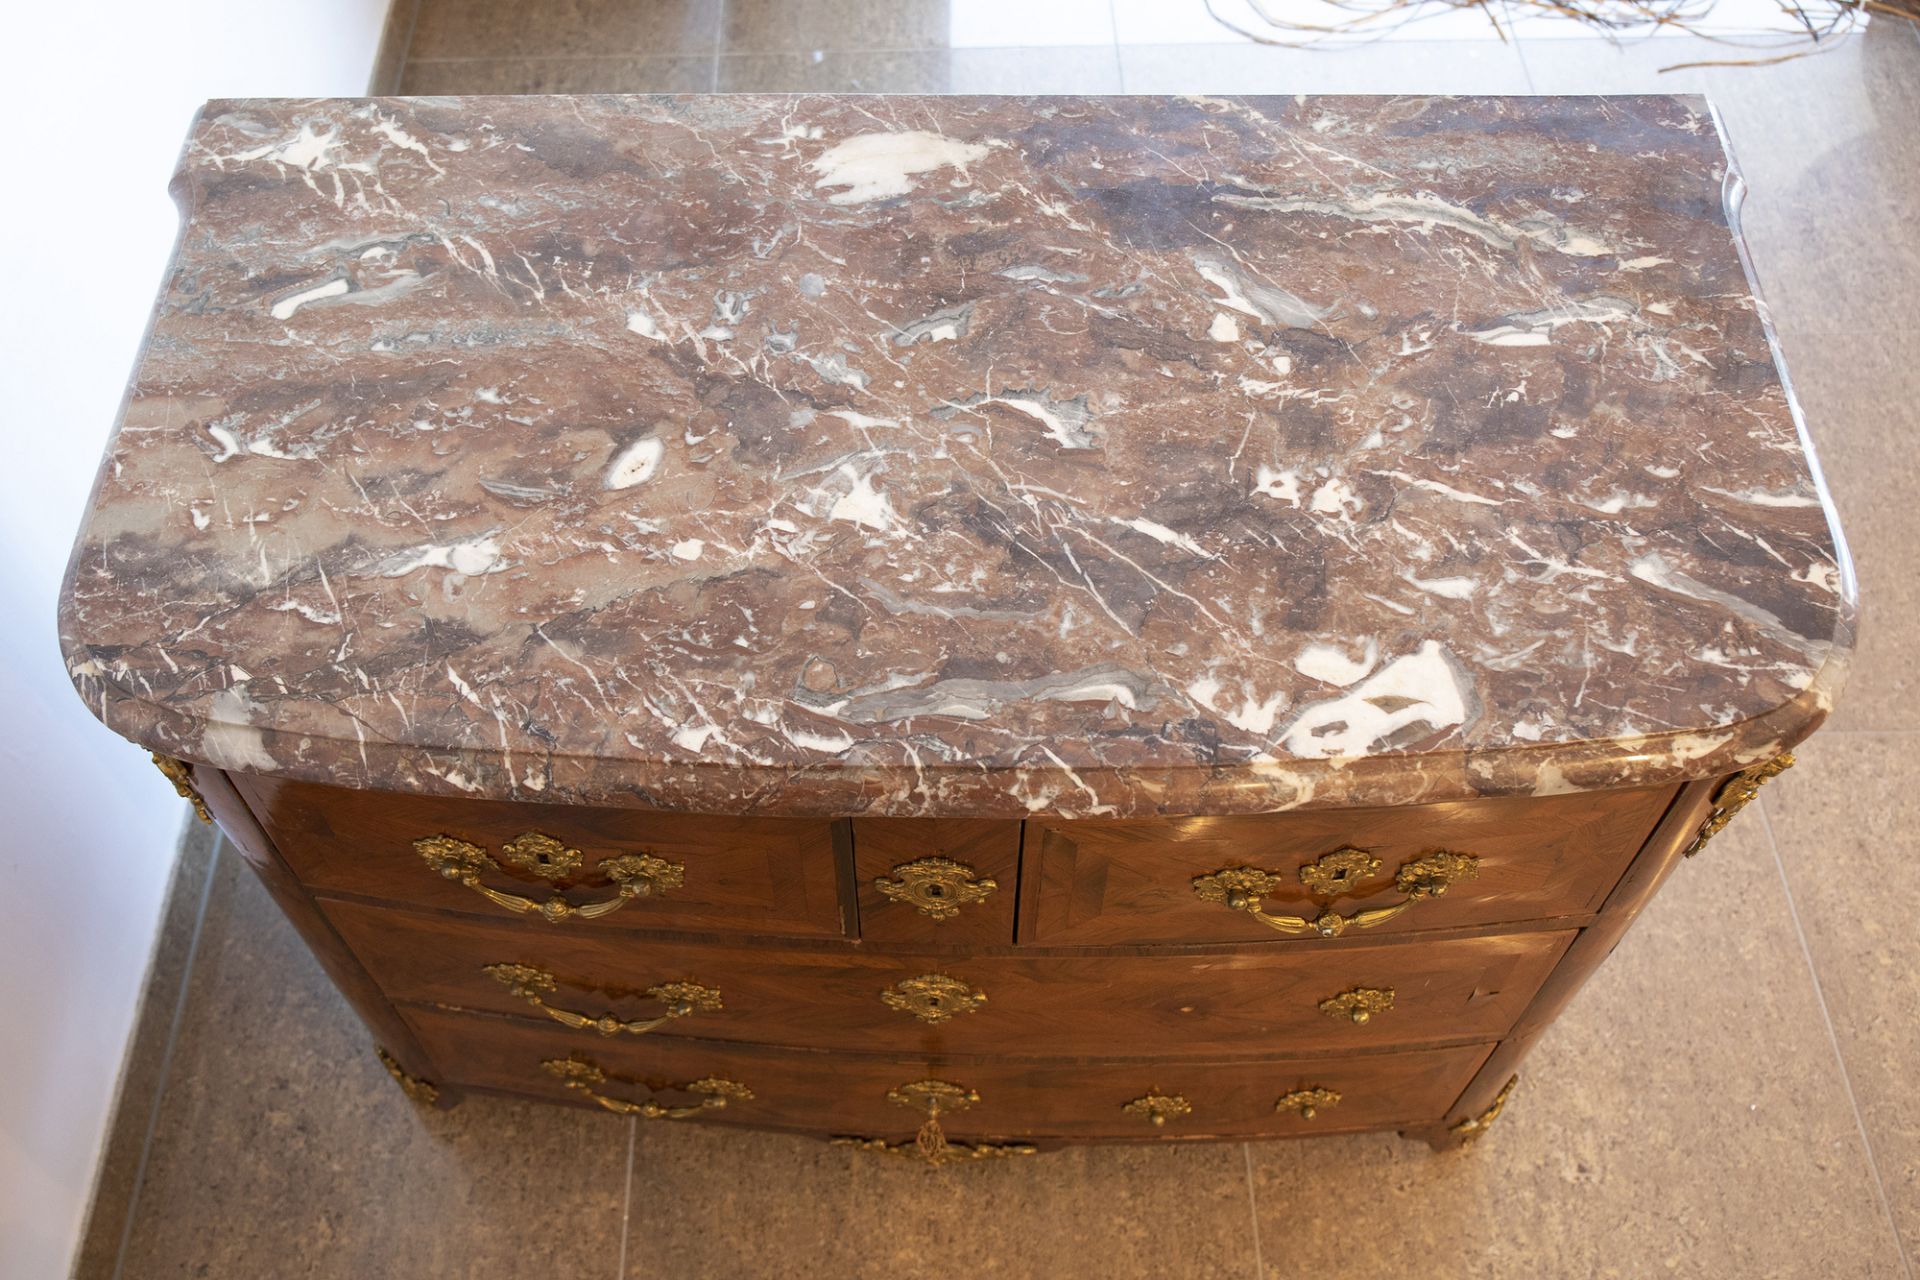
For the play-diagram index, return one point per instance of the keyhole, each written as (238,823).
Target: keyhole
(935,891)
(933,1002)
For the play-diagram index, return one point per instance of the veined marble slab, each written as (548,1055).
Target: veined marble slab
(835,454)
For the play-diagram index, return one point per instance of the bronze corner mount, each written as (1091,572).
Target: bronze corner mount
(424,1092)
(180,774)
(1735,794)
(1470,1129)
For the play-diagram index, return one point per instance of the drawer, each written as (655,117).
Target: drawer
(1093,882)
(938,880)
(843,1094)
(1251,1000)
(775,876)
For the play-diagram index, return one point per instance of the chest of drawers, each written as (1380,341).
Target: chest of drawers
(972,624)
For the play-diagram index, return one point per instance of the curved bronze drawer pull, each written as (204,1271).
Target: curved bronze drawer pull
(1157,1108)
(930,1146)
(937,887)
(1359,1004)
(581,1075)
(1308,1102)
(533,985)
(1241,888)
(637,875)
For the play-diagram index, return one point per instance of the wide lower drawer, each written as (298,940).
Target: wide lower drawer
(872,1096)
(1265,999)
(583,869)
(1093,882)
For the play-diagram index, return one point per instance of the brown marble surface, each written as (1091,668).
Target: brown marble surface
(1094,456)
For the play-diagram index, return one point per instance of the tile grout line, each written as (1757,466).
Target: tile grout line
(166,1060)
(570,57)
(719,45)
(1253,1213)
(1113,36)
(1833,1039)
(626,1198)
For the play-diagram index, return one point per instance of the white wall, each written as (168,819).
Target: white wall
(97,99)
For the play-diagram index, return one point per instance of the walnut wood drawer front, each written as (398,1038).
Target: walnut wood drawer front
(1093,882)
(564,868)
(848,1094)
(938,880)
(1251,1000)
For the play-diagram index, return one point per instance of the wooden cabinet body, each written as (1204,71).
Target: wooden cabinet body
(1059,975)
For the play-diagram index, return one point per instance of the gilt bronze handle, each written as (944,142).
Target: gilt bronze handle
(930,1146)
(1308,1102)
(534,985)
(1358,1004)
(582,1074)
(1242,888)
(636,875)
(1157,1108)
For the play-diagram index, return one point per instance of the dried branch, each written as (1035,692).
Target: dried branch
(1816,23)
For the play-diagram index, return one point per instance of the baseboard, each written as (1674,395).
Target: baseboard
(143,1071)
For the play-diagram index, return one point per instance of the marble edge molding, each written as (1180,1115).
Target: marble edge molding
(849,785)
(831,789)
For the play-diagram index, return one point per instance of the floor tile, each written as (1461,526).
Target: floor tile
(1850,107)
(1414,67)
(1066,69)
(1846,820)
(143,1075)
(282,1149)
(1832,165)
(788,26)
(1686,1117)
(687,74)
(1860,394)
(1837,260)
(560,28)
(713,1203)
(1003,23)
(1561,61)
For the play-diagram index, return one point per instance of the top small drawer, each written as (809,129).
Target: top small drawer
(1325,872)
(937,880)
(572,865)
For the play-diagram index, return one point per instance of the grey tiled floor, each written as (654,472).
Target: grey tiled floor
(1731,1097)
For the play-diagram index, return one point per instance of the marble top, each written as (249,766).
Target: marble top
(994,456)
